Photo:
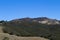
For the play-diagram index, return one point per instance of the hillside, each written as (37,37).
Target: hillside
(33,27)
(7,36)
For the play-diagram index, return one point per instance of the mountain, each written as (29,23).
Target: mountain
(42,20)
(33,27)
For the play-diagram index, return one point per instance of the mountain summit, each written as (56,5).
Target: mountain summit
(42,20)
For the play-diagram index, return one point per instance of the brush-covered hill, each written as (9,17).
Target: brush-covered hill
(7,36)
(33,27)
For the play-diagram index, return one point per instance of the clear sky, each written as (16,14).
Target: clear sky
(12,9)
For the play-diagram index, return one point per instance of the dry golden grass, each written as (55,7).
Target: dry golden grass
(13,37)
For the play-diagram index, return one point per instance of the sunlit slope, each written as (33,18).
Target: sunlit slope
(1,29)
(13,37)
(7,36)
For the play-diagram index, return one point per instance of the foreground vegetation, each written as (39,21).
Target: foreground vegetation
(32,29)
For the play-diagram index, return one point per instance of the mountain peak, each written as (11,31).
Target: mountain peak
(42,20)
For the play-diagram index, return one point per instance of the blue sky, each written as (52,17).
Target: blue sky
(12,9)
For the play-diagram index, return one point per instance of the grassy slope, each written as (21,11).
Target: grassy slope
(37,30)
(14,37)
(33,29)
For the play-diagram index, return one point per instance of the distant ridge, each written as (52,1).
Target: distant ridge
(43,20)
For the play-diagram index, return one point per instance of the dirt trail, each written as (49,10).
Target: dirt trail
(13,37)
